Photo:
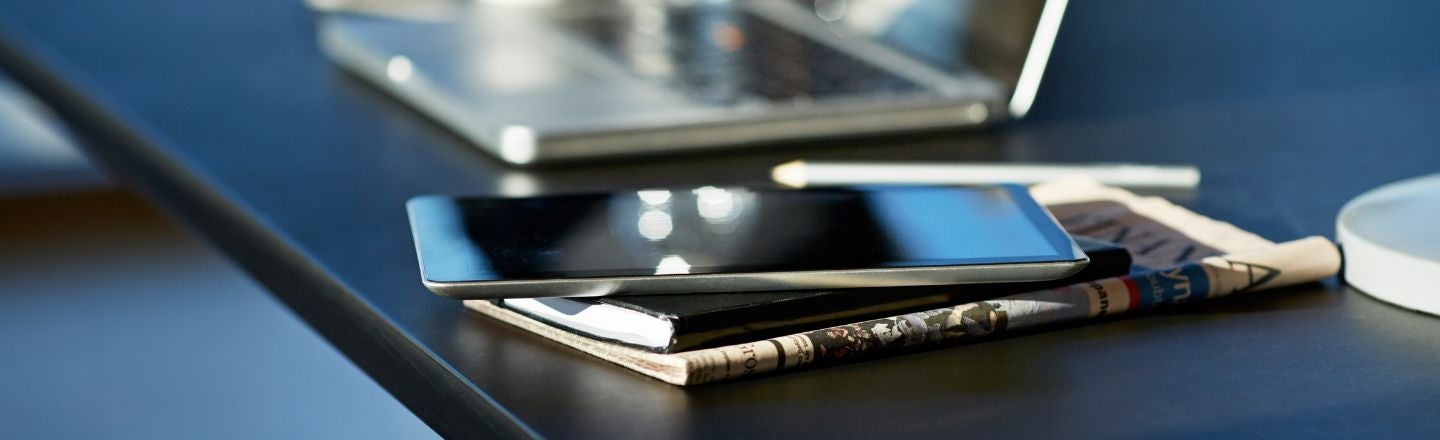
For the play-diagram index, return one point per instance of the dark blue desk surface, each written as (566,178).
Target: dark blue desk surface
(226,113)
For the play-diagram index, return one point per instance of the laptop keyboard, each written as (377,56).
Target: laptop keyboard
(724,56)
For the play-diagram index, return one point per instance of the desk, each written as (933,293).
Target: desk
(226,114)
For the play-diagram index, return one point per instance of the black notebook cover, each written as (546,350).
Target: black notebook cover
(717,319)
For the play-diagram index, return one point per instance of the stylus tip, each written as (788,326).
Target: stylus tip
(791,174)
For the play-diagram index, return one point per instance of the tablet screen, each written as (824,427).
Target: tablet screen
(715,230)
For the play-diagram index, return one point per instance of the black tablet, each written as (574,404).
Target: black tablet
(727,239)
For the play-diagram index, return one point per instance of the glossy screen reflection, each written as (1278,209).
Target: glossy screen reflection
(725,230)
(739,52)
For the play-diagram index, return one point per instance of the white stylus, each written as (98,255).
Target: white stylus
(800,174)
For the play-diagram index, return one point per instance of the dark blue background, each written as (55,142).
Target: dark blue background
(227,113)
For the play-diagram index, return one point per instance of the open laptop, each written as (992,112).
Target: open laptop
(533,81)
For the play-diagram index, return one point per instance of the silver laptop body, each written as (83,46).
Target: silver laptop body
(552,80)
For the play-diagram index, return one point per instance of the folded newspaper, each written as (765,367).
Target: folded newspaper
(1180,257)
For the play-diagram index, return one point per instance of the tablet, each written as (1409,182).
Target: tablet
(731,239)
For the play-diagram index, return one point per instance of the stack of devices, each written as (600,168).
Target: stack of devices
(677,269)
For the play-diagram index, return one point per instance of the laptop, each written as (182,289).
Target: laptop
(537,81)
